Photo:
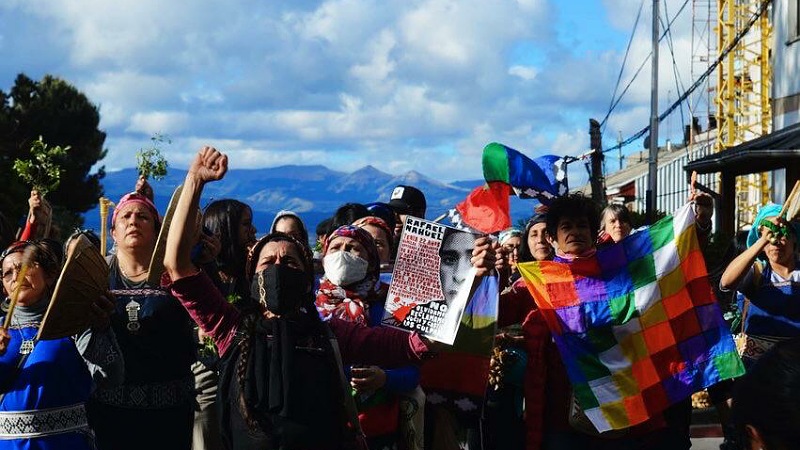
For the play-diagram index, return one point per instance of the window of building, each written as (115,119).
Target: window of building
(793,17)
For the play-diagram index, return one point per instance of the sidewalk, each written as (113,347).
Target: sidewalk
(706,431)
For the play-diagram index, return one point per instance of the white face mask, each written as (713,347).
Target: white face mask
(344,268)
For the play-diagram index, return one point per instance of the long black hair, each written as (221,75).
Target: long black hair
(252,314)
(222,217)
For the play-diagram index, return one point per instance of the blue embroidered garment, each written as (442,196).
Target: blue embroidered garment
(54,375)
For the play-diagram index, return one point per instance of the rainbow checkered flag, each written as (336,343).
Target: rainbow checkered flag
(637,325)
(456,379)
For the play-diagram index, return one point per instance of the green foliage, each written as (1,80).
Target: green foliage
(43,172)
(208,349)
(62,116)
(150,161)
(639,219)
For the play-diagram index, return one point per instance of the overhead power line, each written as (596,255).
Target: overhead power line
(624,60)
(700,80)
(641,66)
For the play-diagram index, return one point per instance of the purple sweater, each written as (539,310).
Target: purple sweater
(220,320)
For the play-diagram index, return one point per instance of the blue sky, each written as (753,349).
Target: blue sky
(402,85)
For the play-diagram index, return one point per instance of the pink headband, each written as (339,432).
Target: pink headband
(135,197)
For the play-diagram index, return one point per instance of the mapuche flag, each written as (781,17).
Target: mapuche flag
(505,170)
(637,325)
(543,178)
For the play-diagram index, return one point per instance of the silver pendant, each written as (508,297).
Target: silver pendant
(133,308)
(26,347)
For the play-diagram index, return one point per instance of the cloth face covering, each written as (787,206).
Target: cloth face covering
(279,288)
(344,268)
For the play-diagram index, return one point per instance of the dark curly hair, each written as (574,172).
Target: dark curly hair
(573,206)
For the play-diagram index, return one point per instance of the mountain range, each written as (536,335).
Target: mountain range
(313,192)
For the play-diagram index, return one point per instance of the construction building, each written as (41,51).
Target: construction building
(731,144)
(758,90)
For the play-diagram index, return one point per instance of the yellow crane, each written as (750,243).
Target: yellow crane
(742,98)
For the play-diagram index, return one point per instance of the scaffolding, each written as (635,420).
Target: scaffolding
(742,95)
(704,52)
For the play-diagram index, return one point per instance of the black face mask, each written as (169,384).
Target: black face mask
(279,288)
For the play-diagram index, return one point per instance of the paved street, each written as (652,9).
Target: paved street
(706,443)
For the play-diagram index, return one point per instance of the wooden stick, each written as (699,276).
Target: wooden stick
(27,256)
(104,205)
(789,199)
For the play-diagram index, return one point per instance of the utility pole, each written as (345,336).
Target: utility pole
(596,144)
(619,141)
(652,182)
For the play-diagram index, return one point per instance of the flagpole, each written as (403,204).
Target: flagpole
(652,186)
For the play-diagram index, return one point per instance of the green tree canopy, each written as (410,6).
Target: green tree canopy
(62,116)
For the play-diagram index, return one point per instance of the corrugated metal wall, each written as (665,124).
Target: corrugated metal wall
(673,186)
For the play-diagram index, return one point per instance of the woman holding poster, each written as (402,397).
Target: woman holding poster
(351,290)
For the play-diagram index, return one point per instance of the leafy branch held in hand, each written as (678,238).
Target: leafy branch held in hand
(42,172)
(150,162)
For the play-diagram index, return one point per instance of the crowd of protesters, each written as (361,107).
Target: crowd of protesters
(266,343)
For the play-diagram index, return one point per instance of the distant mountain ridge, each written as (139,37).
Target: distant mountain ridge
(314,192)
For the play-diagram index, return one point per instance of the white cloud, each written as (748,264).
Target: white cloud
(401,85)
(527,73)
(167,122)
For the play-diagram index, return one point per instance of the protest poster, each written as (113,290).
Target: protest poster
(431,281)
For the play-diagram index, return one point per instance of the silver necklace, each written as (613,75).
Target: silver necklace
(125,274)
(26,347)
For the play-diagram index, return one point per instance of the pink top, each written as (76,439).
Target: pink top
(220,320)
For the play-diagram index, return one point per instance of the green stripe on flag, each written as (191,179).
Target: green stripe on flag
(495,163)
(592,367)
(642,271)
(602,339)
(729,365)
(623,308)
(585,396)
(661,233)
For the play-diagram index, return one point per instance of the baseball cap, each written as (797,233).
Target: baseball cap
(408,200)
